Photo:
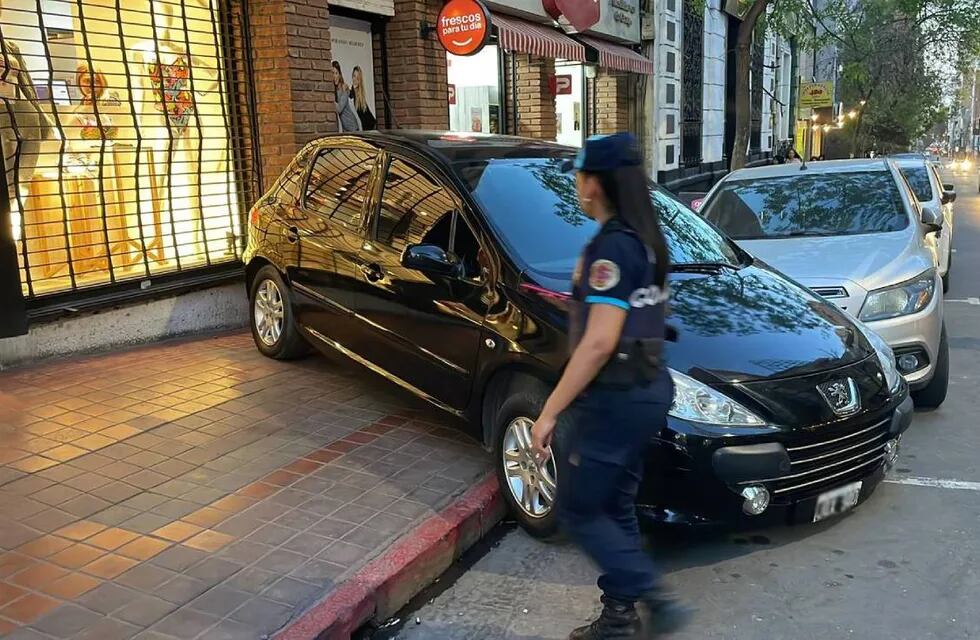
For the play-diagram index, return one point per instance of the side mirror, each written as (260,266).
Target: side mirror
(949,193)
(431,259)
(932,219)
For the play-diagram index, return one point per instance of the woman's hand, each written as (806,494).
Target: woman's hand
(541,433)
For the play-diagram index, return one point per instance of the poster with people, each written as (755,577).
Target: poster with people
(353,73)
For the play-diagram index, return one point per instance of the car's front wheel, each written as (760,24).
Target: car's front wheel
(934,394)
(530,489)
(273,325)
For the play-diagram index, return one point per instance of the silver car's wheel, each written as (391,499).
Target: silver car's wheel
(268,313)
(532,485)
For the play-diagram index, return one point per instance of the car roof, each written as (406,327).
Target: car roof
(910,161)
(823,166)
(455,147)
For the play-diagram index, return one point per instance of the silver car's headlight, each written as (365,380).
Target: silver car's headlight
(697,402)
(886,357)
(901,299)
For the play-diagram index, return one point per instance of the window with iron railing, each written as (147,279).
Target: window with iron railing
(122,143)
(692,84)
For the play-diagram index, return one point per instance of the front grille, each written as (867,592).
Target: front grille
(831,460)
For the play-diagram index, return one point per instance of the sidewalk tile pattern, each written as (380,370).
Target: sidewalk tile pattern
(195,489)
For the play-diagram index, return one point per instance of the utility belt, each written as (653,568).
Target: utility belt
(636,362)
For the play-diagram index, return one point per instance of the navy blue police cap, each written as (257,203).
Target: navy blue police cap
(608,153)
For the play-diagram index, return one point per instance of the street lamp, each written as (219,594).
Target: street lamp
(852,114)
(864,102)
(815,117)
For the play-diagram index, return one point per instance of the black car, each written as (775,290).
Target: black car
(443,262)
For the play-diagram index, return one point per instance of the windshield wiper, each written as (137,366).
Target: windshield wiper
(701,267)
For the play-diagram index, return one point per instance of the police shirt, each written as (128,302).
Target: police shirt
(616,269)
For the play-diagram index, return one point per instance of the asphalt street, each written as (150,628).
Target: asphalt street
(903,566)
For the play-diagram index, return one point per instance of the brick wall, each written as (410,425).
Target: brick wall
(536,114)
(612,101)
(293,82)
(417,78)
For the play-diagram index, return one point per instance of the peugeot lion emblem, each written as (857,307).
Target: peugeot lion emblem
(841,395)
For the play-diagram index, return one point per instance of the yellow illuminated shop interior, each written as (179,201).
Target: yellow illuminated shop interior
(116,143)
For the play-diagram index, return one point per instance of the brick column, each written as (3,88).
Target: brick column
(612,101)
(536,112)
(293,83)
(417,77)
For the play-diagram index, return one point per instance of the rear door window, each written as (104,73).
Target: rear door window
(339,185)
(920,182)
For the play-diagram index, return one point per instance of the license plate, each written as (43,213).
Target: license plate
(837,501)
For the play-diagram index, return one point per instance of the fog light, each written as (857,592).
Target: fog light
(908,363)
(756,500)
(891,453)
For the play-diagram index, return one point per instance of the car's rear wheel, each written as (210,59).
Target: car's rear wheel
(273,325)
(949,270)
(934,394)
(530,489)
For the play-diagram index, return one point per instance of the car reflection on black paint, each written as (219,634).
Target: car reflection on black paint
(443,262)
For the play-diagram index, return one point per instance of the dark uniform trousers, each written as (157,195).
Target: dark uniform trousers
(603,471)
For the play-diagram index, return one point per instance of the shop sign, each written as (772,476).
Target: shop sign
(816,95)
(619,19)
(463,27)
(452,94)
(561,85)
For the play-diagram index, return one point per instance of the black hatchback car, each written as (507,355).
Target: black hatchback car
(443,262)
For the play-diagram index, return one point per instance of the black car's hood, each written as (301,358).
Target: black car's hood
(750,325)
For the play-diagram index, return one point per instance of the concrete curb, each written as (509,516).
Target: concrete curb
(387,583)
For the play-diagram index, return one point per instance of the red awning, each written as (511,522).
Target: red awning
(514,34)
(616,56)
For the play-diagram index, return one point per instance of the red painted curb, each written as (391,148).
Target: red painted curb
(389,581)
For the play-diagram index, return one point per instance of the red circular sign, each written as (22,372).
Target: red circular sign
(463,27)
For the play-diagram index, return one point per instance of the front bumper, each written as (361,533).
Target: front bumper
(919,331)
(701,478)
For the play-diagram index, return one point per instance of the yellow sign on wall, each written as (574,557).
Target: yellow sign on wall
(816,95)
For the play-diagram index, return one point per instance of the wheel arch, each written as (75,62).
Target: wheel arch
(253,267)
(500,384)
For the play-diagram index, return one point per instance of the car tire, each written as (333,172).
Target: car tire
(513,465)
(934,394)
(949,270)
(271,317)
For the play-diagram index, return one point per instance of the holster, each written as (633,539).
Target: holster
(637,361)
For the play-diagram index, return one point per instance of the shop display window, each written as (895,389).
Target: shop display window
(117,144)
(474,104)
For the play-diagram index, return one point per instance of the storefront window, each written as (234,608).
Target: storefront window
(569,107)
(115,128)
(474,92)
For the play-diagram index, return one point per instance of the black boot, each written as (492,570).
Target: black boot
(617,620)
(666,613)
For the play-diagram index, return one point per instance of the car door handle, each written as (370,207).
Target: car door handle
(292,235)
(373,272)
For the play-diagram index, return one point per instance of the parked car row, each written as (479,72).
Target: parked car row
(444,262)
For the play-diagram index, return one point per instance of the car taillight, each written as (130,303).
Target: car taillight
(253,217)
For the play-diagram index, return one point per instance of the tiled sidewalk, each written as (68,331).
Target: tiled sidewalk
(196,489)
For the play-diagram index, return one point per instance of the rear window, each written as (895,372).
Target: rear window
(918,178)
(816,204)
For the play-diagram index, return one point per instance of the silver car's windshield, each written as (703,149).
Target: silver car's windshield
(815,204)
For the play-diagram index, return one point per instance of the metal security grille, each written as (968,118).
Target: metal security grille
(692,91)
(756,88)
(125,138)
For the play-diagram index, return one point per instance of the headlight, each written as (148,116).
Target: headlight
(886,357)
(900,300)
(698,402)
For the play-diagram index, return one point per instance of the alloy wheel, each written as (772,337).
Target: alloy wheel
(268,313)
(532,485)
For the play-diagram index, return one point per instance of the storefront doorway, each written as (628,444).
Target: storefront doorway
(474,91)
(570,105)
(121,142)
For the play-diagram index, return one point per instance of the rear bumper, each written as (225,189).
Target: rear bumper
(702,479)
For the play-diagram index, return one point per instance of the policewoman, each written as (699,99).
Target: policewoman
(618,385)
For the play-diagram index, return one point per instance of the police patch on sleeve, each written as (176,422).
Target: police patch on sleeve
(603,275)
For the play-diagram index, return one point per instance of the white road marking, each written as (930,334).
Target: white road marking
(938,483)
(973,301)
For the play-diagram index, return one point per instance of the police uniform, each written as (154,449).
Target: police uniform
(616,416)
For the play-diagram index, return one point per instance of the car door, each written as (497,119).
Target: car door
(423,329)
(946,234)
(329,236)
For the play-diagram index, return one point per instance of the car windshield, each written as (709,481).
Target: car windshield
(815,204)
(533,206)
(918,178)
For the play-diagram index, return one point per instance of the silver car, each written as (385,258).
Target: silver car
(932,194)
(853,232)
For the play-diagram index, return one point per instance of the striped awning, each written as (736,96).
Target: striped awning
(615,56)
(514,34)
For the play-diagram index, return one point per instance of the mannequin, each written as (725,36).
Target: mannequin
(165,80)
